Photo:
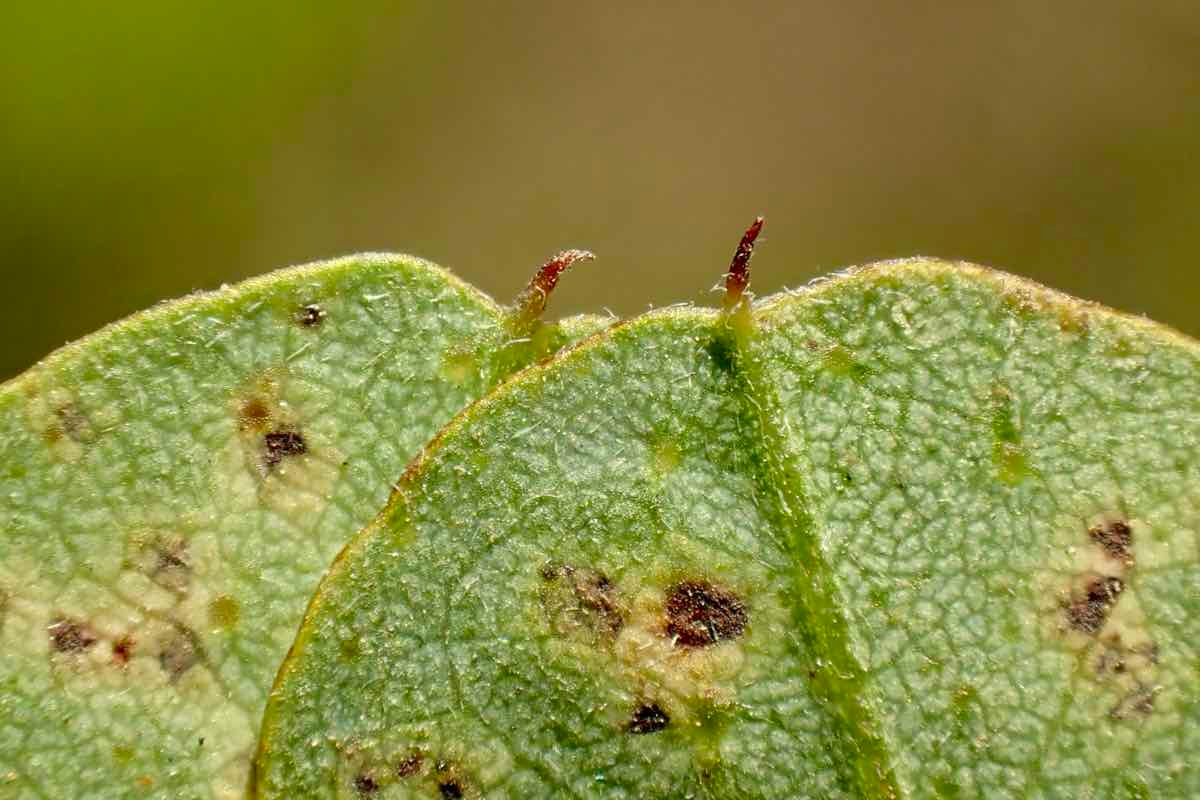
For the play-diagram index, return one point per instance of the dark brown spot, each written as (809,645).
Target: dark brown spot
(648,718)
(281,444)
(450,789)
(1088,612)
(70,636)
(410,765)
(311,316)
(123,650)
(700,614)
(1116,538)
(254,413)
(178,655)
(366,785)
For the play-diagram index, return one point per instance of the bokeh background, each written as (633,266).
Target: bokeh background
(152,147)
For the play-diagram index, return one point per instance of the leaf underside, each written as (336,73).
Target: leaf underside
(173,488)
(922,530)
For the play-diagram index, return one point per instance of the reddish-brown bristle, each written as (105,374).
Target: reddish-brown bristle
(532,301)
(738,277)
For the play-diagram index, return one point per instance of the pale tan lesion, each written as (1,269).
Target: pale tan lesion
(65,424)
(1091,606)
(678,678)
(277,457)
(417,761)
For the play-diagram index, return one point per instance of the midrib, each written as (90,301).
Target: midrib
(841,680)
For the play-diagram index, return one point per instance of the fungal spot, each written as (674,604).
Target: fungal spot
(449,784)
(178,655)
(70,636)
(1139,702)
(223,611)
(255,413)
(700,614)
(122,650)
(365,784)
(1088,611)
(586,599)
(410,765)
(278,445)
(648,718)
(171,567)
(311,316)
(1115,538)
(73,423)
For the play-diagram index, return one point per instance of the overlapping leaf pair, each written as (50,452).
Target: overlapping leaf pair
(920,530)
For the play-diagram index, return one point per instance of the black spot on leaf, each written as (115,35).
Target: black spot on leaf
(450,789)
(648,718)
(311,316)
(281,444)
(700,614)
(365,785)
(1088,611)
(70,636)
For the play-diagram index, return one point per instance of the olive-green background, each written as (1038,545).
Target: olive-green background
(150,147)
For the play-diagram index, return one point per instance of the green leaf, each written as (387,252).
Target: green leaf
(173,488)
(922,530)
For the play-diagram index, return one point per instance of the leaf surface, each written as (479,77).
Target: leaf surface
(922,530)
(173,488)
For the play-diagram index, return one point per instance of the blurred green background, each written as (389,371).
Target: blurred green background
(151,147)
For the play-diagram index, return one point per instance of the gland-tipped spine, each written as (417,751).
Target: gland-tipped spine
(531,303)
(738,277)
